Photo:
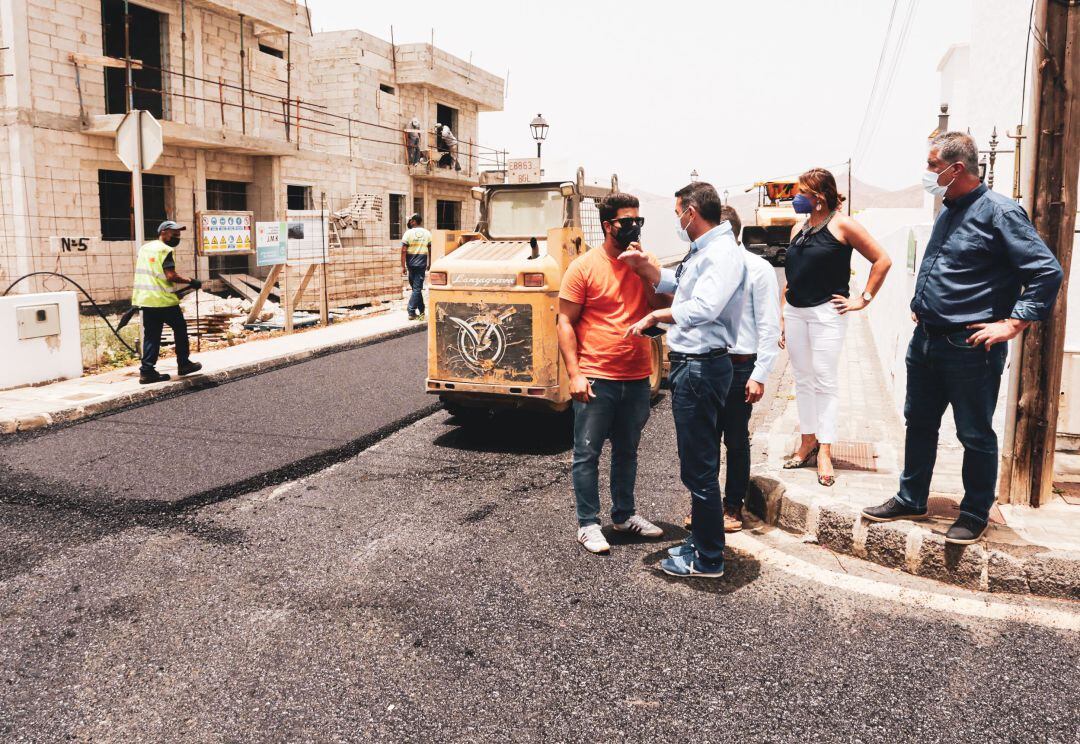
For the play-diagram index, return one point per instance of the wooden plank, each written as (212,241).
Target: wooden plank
(239,287)
(268,285)
(1056,134)
(308,273)
(256,283)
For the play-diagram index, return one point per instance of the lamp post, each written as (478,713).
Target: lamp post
(693,175)
(725,197)
(539,129)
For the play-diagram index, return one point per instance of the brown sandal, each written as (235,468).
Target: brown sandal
(810,459)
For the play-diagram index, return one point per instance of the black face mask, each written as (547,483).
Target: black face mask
(627,233)
(173,241)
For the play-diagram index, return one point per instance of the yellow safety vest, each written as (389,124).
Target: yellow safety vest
(416,240)
(150,287)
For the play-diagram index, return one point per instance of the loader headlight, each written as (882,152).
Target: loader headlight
(533,279)
(437,278)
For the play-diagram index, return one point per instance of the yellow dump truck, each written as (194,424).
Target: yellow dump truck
(774,218)
(494,297)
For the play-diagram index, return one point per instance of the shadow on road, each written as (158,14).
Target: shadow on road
(740,569)
(511,432)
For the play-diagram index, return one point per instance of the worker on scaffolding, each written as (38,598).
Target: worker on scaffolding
(412,141)
(153,291)
(447,144)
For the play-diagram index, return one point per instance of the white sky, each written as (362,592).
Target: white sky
(741,90)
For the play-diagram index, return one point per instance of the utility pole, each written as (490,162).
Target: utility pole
(1055,136)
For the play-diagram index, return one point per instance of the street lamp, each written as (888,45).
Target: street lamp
(725,197)
(539,129)
(693,175)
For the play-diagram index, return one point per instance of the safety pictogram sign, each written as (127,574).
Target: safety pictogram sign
(225,232)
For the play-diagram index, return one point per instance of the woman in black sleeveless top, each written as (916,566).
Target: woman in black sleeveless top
(816,300)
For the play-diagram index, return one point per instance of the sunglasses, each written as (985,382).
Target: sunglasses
(639,221)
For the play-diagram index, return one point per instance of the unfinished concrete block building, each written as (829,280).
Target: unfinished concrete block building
(258,114)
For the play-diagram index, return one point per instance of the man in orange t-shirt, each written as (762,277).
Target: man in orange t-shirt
(600,298)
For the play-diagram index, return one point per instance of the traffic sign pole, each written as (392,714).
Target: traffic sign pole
(136,185)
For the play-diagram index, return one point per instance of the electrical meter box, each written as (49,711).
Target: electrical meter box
(40,338)
(37,321)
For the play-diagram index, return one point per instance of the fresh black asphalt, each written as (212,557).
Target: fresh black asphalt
(430,589)
(228,438)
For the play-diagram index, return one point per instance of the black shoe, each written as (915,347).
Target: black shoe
(965,530)
(890,511)
(148,378)
(188,369)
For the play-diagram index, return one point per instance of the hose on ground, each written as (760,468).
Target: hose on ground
(88,297)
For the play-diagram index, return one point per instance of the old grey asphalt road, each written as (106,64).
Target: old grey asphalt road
(429,589)
(213,442)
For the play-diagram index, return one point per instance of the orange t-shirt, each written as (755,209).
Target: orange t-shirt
(612,298)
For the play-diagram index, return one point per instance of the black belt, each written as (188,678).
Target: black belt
(937,331)
(678,356)
(742,358)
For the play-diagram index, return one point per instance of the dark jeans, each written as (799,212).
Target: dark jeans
(618,412)
(416,281)
(699,390)
(737,436)
(946,371)
(153,319)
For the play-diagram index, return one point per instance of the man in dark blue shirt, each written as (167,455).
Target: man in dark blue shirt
(985,277)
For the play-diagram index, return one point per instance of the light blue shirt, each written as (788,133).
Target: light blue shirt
(759,331)
(708,291)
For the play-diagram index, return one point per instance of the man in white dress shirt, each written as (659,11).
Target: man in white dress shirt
(752,359)
(707,292)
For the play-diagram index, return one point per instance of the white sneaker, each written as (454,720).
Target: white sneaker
(593,539)
(639,525)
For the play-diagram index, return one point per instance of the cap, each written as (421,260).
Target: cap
(416,218)
(170,225)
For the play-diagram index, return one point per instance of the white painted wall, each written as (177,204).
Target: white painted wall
(32,361)
(889,313)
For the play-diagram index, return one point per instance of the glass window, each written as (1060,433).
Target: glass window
(523,214)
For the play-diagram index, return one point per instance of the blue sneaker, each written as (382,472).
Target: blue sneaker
(687,567)
(685,548)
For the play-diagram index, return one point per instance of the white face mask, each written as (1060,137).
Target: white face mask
(930,183)
(679,229)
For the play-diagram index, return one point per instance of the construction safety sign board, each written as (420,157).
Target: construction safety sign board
(270,245)
(225,232)
(307,232)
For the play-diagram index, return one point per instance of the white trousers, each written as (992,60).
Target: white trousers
(814,337)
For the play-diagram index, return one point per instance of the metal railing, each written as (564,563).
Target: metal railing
(305,125)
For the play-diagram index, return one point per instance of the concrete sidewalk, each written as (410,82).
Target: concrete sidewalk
(1025,551)
(33,407)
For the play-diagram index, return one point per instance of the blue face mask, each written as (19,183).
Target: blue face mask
(802,204)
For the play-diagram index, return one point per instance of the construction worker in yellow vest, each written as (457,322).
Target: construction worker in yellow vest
(415,258)
(154,292)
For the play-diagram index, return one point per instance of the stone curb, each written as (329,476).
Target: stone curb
(31,422)
(909,547)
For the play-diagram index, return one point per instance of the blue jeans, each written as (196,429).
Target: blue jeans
(618,412)
(416,281)
(946,371)
(699,390)
(737,436)
(154,319)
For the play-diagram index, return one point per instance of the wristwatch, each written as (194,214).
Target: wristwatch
(867,296)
